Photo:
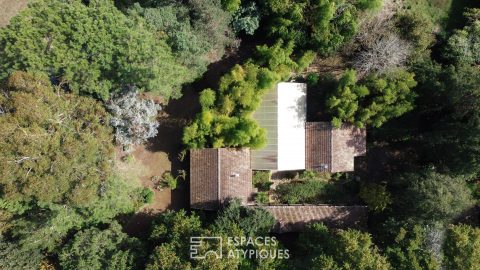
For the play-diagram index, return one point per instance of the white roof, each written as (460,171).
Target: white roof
(283,114)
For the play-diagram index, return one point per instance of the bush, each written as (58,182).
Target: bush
(310,191)
(147,195)
(376,196)
(261,180)
(169,181)
(262,198)
(231,5)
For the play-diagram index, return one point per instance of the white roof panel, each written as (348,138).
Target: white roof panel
(291,126)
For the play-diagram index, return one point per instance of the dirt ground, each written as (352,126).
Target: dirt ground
(10,8)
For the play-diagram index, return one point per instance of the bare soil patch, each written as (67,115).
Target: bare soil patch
(10,8)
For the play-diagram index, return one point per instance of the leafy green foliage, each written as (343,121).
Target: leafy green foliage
(375,196)
(464,45)
(311,188)
(246,18)
(172,231)
(56,147)
(147,195)
(261,180)
(93,49)
(448,131)
(462,247)
(100,249)
(169,180)
(252,221)
(409,251)
(321,25)
(374,100)
(231,5)
(342,249)
(196,37)
(262,197)
(428,196)
(310,191)
(228,123)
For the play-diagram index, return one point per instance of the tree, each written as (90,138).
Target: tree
(321,25)
(462,247)
(428,197)
(409,251)
(55,147)
(134,119)
(384,54)
(100,249)
(464,45)
(374,100)
(196,38)
(334,22)
(89,48)
(227,122)
(376,196)
(342,249)
(246,18)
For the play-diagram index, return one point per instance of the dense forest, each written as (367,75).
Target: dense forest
(82,82)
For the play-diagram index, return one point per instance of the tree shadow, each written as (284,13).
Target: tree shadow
(455,14)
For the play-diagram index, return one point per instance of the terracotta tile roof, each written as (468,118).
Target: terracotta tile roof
(294,218)
(318,144)
(333,150)
(219,174)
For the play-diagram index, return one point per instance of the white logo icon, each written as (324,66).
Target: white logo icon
(197,241)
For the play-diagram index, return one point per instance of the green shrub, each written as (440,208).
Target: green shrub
(147,195)
(310,191)
(261,180)
(262,198)
(169,181)
(376,196)
(231,5)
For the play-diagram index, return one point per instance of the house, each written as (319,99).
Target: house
(217,175)
(295,144)
(294,218)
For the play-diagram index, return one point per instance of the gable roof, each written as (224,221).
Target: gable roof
(219,174)
(333,149)
(294,218)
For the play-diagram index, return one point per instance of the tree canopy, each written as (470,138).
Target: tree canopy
(342,249)
(373,100)
(89,48)
(56,147)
